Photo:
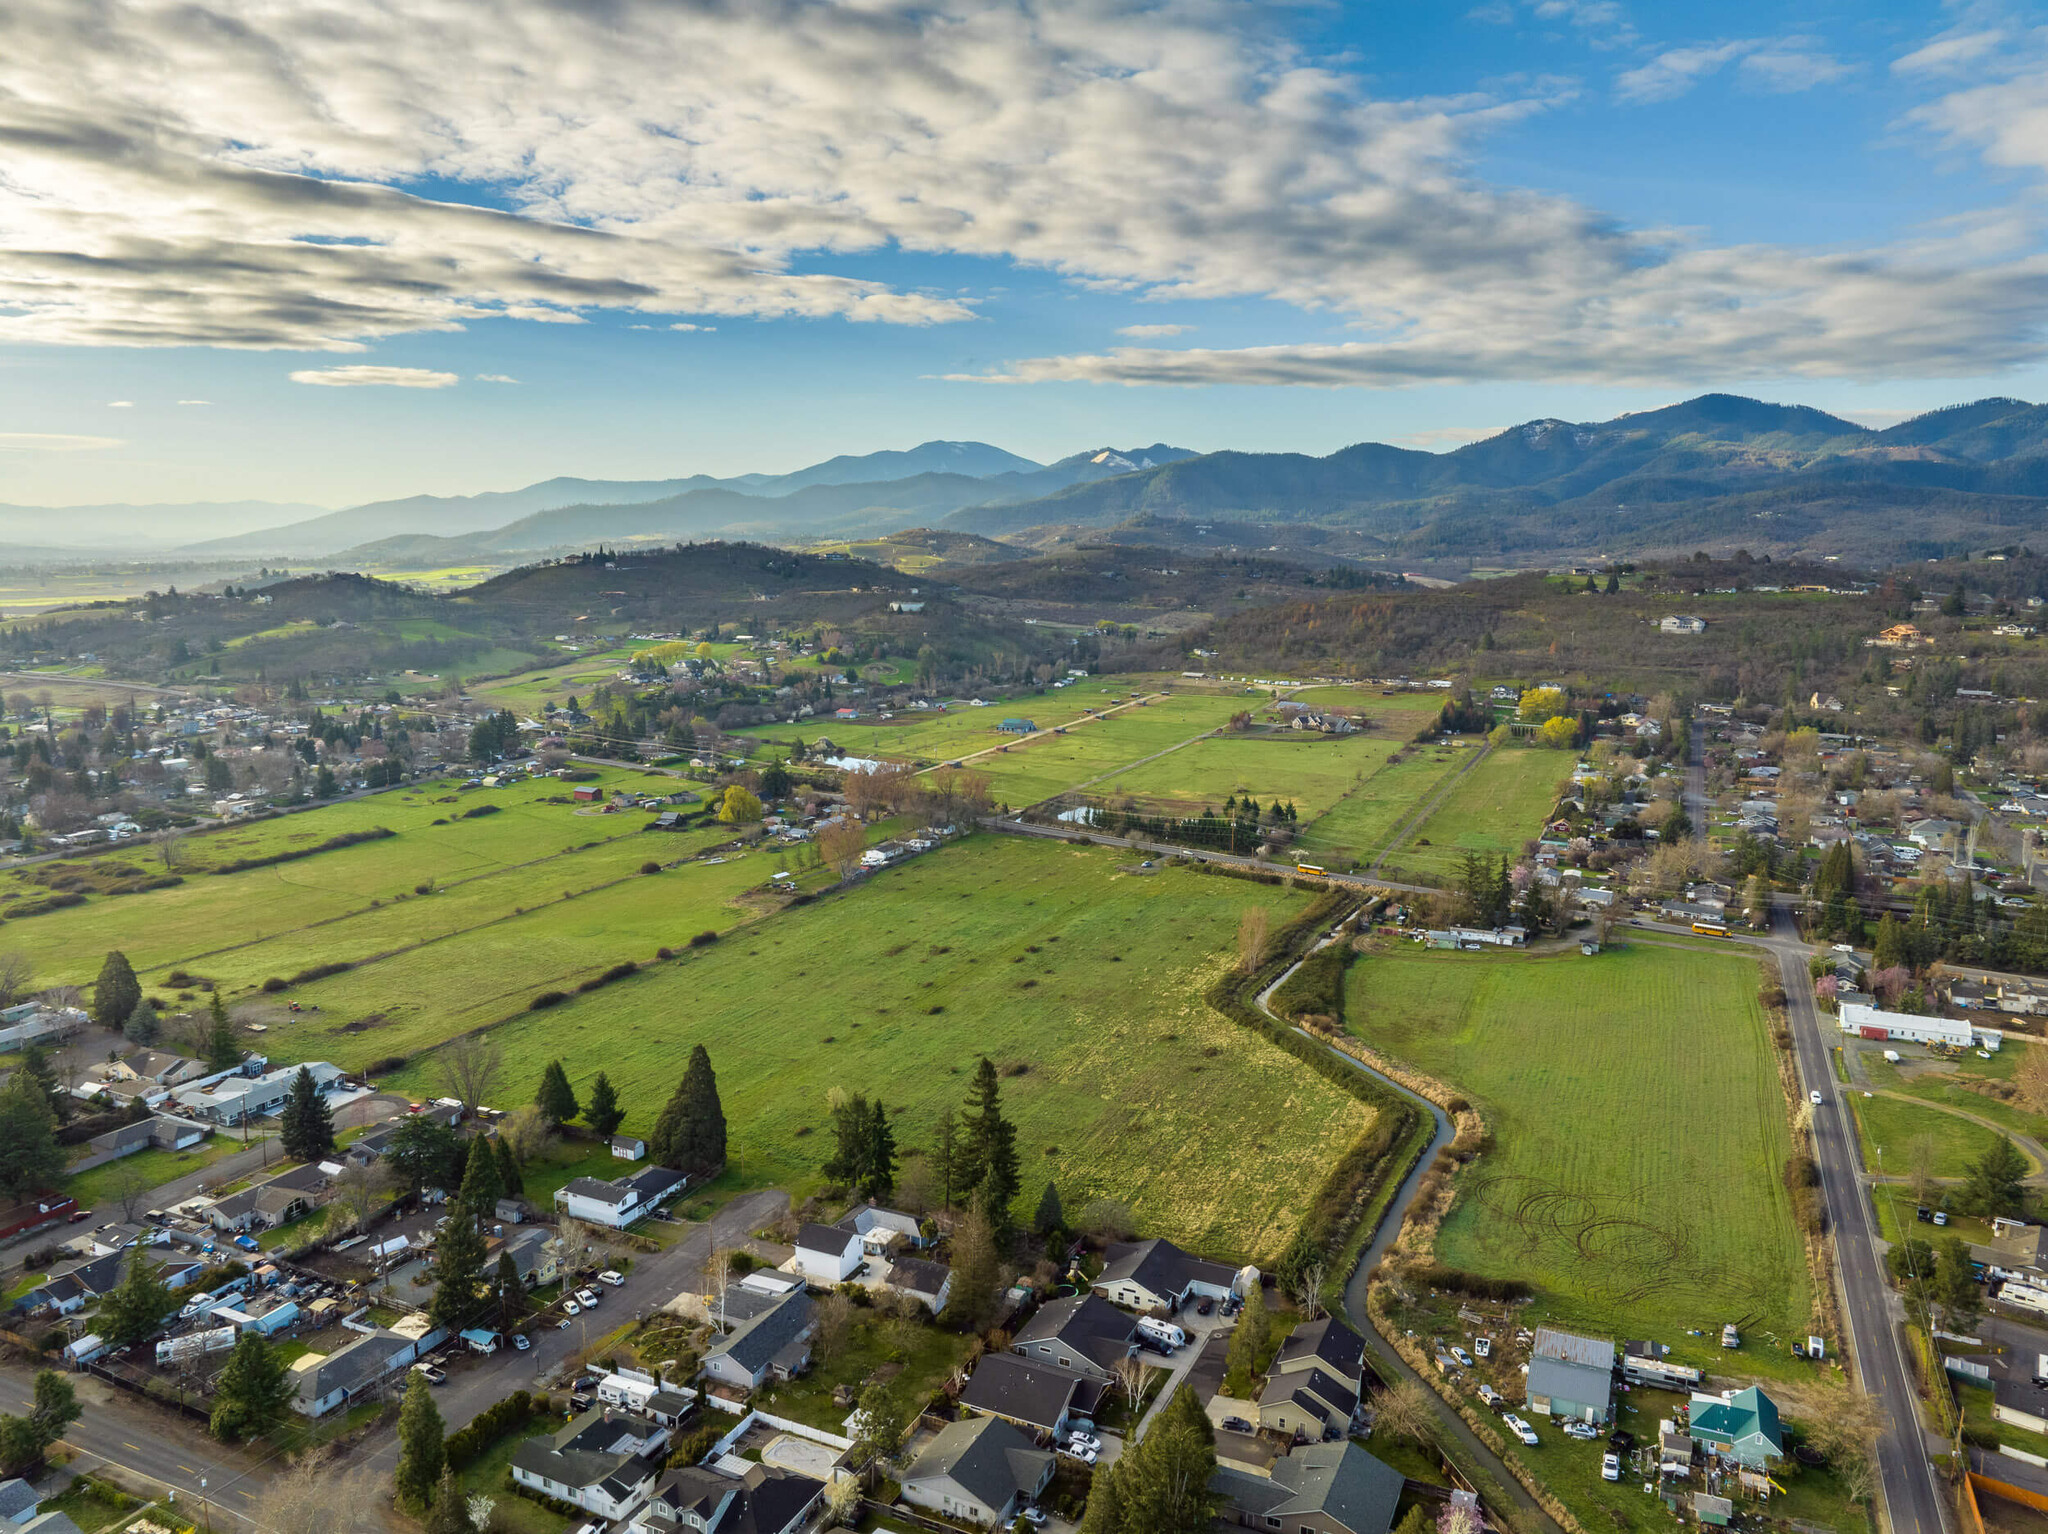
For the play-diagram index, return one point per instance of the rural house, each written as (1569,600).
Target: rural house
(1571,1376)
(621,1202)
(981,1470)
(1157,1275)
(773,1343)
(825,1254)
(1682,623)
(600,1464)
(693,1500)
(1314,1387)
(883,1231)
(321,1382)
(1329,1488)
(929,1283)
(1084,1333)
(1742,1426)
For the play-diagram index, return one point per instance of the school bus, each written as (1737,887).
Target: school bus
(1309,868)
(1710,928)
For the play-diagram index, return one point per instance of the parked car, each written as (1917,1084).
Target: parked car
(1521,1429)
(1035,1516)
(521,1341)
(1236,1425)
(572,1308)
(1084,1441)
(248,1243)
(1463,1357)
(1584,1431)
(1610,1467)
(588,1297)
(1206,1307)
(433,1376)
(616,1280)
(1076,1452)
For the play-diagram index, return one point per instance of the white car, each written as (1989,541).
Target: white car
(1519,1426)
(616,1280)
(588,1297)
(1814,1097)
(1085,1456)
(1584,1431)
(1035,1516)
(570,1307)
(1610,1467)
(1462,1357)
(521,1341)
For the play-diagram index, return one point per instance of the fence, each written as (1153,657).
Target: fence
(800,1429)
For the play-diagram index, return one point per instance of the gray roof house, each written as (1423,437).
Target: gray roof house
(1313,1388)
(763,1501)
(323,1383)
(1325,1488)
(602,1464)
(1084,1333)
(979,1470)
(621,1201)
(929,1283)
(774,1343)
(1157,1275)
(1571,1376)
(1033,1396)
(18,1501)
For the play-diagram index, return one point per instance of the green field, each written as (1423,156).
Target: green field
(1640,1131)
(1893,1126)
(1941,1081)
(1311,771)
(1084,984)
(1365,821)
(1494,808)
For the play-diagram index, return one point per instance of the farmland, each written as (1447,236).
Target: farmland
(1312,772)
(1365,821)
(1083,982)
(1494,808)
(1639,1123)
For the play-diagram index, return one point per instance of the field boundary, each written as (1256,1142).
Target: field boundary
(1429,807)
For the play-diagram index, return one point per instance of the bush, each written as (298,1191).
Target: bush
(616,972)
(274,984)
(332,844)
(547,999)
(704,938)
(385,1065)
(1436,1275)
(423,889)
(319,972)
(664,953)
(650,867)
(47,904)
(493,1423)
(481,809)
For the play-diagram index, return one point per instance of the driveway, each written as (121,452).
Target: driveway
(1182,1360)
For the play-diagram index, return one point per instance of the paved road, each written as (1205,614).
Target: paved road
(655,1279)
(155,1446)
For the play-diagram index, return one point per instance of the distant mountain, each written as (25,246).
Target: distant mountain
(149,526)
(1735,471)
(976,460)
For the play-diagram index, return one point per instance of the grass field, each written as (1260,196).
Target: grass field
(1893,1126)
(1083,982)
(1311,771)
(1367,819)
(1494,808)
(1640,1131)
(1941,1081)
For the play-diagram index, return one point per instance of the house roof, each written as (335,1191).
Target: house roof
(1339,1481)
(653,1182)
(597,1192)
(1160,1266)
(592,1450)
(1328,1342)
(992,1460)
(1566,1380)
(754,1344)
(1087,1323)
(1312,1389)
(1592,1352)
(354,1365)
(917,1276)
(831,1239)
(55,1521)
(17,1497)
(1005,1385)
(1745,1414)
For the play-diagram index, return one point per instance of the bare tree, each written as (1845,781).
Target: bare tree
(311,1496)
(527,1131)
(1308,1291)
(1251,938)
(130,1186)
(717,1274)
(834,1320)
(1920,1154)
(480,1508)
(360,1192)
(17,977)
(170,848)
(1403,1410)
(840,843)
(471,1065)
(1130,1372)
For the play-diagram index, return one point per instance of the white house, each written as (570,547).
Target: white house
(233,1098)
(1681,623)
(825,1254)
(620,1202)
(1874,1023)
(603,1465)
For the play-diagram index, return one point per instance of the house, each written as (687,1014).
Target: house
(981,1470)
(825,1254)
(584,793)
(626,1148)
(1571,1376)
(1874,1023)
(18,1502)
(775,1343)
(324,1381)
(1084,1333)
(536,1256)
(234,1099)
(1900,636)
(601,1463)
(1327,1488)
(1742,1426)
(1035,1397)
(702,1501)
(1157,1275)
(929,1283)
(883,1231)
(276,1202)
(1018,727)
(1932,834)
(620,1202)
(1681,623)
(1314,1388)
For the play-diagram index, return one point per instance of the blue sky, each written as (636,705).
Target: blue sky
(277,268)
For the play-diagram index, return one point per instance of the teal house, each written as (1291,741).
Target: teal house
(1742,1427)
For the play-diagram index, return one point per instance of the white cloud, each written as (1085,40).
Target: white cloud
(1793,64)
(1949,54)
(366,375)
(120,404)
(2004,111)
(505,378)
(1675,71)
(1783,64)
(1153,332)
(683,326)
(53,442)
(195,402)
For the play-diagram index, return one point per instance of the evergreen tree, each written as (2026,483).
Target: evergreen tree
(878,1154)
(138,1305)
(849,1138)
(510,1178)
(223,1048)
(603,1113)
(458,1268)
(142,1025)
(421,1447)
(254,1392)
(306,1126)
(426,1153)
(509,1292)
(556,1099)
(984,1133)
(1997,1181)
(1050,1220)
(1418,1521)
(690,1134)
(977,1268)
(1248,1342)
(30,1157)
(1166,1484)
(480,1188)
(35,1065)
(1105,1514)
(24,1439)
(116,992)
(450,1512)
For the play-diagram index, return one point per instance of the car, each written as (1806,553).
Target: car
(588,1297)
(1464,1358)
(1621,1441)
(1084,1441)
(1814,1097)
(1236,1425)
(1610,1467)
(1483,1346)
(1035,1516)
(616,1280)
(1583,1431)
(432,1375)
(1983,1054)
(561,1326)
(1085,1456)
(80,1214)
(1519,1426)
(1206,1307)
(521,1341)
(570,1307)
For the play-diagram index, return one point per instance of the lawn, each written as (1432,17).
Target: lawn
(913,1359)
(1640,1133)
(1893,1126)
(1362,824)
(1494,808)
(491,1474)
(1943,1081)
(151,1168)
(1082,982)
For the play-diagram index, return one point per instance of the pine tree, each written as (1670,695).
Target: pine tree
(223,1049)
(138,1304)
(510,1178)
(142,1025)
(254,1392)
(1248,1342)
(35,1065)
(603,1113)
(116,992)
(1002,1179)
(306,1127)
(878,1159)
(690,1134)
(983,1112)
(480,1188)
(450,1512)
(1050,1220)
(1166,1482)
(556,1099)
(458,1268)
(1105,1514)
(30,1157)
(508,1291)
(421,1448)
(849,1137)
(1997,1180)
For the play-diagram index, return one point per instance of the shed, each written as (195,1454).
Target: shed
(1571,1376)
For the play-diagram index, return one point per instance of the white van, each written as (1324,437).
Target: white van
(1162,1331)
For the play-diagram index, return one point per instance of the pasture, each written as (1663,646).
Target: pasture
(1365,821)
(1494,808)
(1311,771)
(1640,1131)
(1083,982)
(1893,1126)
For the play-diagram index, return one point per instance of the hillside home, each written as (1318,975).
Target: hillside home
(981,1470)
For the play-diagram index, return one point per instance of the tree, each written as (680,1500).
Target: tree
(690,1134)
(116,992)
(603,1113)
(17,977)
(142,1026)
(458,1269)
(1050,1220)
(30,1157)
(510,1177)
(471,1065)
(987,1155)
(138,1305)
(509,1291)
(1417,1521)
(426,1153)
(1955,1287)
(306,1127)
(1920,1162)
(840,844)
(878,1154)
(1166,1478)
(556,1099)
(254,1392)
(2031,1078)
(1997,1180)
(1251,938)
(1105,1511)
(25,1439)
(527,1130)
(450,1511)
(834,1322)
(480,1190)
(739,807)
(421,1447)
(360,1192)
(1248,1343)
(308,1496)
(977,1268)
(223,1045)
(1403,1409)
(36,1067)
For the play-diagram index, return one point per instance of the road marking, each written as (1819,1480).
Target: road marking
(136,1447)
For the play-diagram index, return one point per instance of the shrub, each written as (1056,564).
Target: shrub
(274,984)
(650,867)
(423,889)
(547,999)
(332,844)
(704,938)
(493,1423)
(616,972)
(385,1065)
(318,972)
(1436,1275)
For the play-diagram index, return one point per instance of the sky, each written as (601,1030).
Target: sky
(323,254)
